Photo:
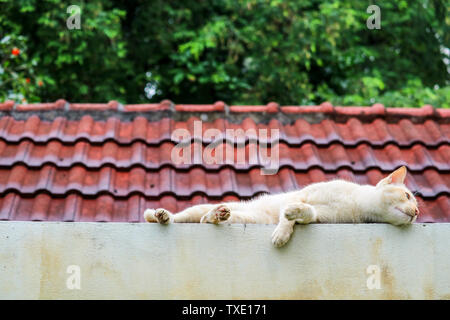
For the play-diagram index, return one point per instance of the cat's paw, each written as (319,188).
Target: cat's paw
(281,235)
(163,216)
(300,212)
(218,214)
(149,215)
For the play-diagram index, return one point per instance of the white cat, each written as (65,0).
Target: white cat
(336,201)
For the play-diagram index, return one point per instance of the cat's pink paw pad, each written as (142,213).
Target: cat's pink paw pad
(217,215)
(222,212)
(162,215)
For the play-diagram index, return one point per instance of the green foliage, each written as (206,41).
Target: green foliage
(18,80)
(79,65)
(239,51)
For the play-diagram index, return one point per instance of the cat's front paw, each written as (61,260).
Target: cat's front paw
(216,215)
(300,212)
(281,235)
(163,216)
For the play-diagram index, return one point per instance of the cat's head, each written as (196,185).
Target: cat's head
(399,204)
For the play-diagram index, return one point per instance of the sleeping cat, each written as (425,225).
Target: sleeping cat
(336,201)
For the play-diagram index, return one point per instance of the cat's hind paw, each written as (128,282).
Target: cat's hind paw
(300,212)
(216,215)
(163,216)
(281,235)
(149,215)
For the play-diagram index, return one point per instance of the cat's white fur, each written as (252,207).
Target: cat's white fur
(336,201)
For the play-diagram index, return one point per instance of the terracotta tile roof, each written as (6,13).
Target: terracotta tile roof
(108,162)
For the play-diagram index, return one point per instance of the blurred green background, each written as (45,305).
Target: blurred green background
(241,52)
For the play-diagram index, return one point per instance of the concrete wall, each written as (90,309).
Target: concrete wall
(187,261)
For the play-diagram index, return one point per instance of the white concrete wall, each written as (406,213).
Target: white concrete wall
(187,261)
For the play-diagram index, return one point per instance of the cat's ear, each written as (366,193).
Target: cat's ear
(396,177)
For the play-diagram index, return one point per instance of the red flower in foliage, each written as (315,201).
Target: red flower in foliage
(40,83)
(15,51)
(27,80)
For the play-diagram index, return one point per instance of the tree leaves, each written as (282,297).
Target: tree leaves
(246,51)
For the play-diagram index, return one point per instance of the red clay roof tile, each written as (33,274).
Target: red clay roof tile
(377,133)
(217,183)
(329,157)
(145,107)
(218,106)
(59,104)
(7,105)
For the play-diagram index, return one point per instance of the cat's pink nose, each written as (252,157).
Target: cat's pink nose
(417,211)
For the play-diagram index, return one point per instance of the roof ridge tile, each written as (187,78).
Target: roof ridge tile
(326,107)
(8,105)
